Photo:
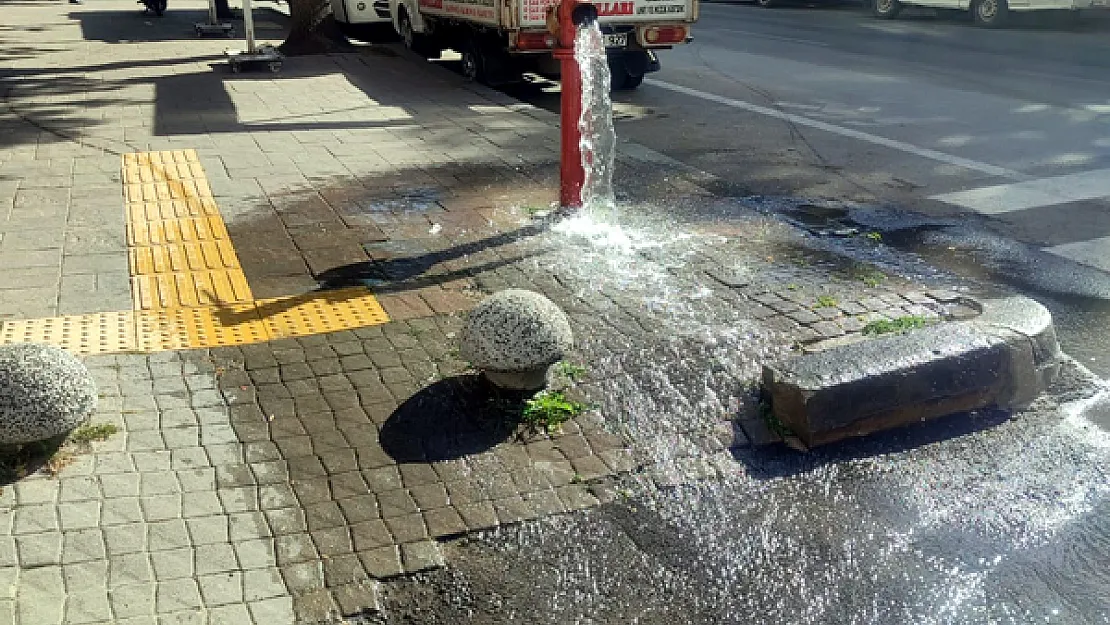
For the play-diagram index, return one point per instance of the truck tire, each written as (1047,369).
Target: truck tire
(419,43)
(474,63)
(627,72)
(886,9)
(990,13)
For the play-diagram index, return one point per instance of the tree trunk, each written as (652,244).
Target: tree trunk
(312,29)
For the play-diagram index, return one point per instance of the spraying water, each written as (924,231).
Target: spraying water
(599,138)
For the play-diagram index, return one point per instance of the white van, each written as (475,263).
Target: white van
(990,13)
(372,15)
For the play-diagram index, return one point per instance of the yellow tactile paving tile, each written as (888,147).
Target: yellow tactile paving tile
(138,174)
(194,328)
(320,312)
(190,289)
(95,333)
(182,257)
(171,209)
(169,231)
(161,158)
(160,190)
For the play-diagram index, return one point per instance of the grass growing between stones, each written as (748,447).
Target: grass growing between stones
(570,370)
(549,410)
(900,325)
(90,433)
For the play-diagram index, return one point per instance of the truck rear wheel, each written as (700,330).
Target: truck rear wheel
(419,43)
(990,13)
(627,71)
(474,63)
(886,9)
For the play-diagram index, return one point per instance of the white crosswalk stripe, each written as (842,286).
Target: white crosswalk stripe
(1094,253)
(1006,198)
(1043,192)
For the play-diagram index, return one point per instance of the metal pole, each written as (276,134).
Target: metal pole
(212,13)
(248,25)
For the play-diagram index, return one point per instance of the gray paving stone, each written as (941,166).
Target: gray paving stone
(407,528)
(36,491)
(79,514)
(255,554)
(243,499)
(208,530)
(125,538)
(78,488)
(114,462)
(35,519)
(37,596)
(222,588)
(82,546)
(161,507)
(120,485)
(201,504)
(197,480)
(120,511)
(421,556)
(84,576)
(172,564)
(286,521)
(151,461)
(215,558)
(177,595)
(303,576)
(87,606)
(133,601)
(263,584)
(38,550)
(229,615)
(382,562)
(276,610)
(171,534)
(190,617)
(130,568)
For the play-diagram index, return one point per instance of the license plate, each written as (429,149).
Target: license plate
(615,41)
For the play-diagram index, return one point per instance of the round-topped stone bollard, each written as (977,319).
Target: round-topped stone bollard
(513,337)
(44,392)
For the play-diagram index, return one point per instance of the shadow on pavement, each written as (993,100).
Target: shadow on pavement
(451,419)
(777,461)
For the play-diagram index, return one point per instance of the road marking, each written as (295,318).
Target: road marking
(1006,198)
(901,146)
(1093,253)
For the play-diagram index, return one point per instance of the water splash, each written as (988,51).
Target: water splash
(598,141)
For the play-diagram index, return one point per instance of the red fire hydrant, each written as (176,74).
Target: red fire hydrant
(563,20)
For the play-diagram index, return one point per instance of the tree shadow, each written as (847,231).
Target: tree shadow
(405,272)
(777,461)
(453,418)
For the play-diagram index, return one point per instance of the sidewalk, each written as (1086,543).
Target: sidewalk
(274,474)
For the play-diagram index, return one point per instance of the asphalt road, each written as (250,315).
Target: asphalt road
(1005,131)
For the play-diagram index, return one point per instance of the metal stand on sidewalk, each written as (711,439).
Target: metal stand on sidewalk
(253,56)
(214,25)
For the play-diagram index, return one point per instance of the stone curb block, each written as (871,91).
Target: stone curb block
(1005,358)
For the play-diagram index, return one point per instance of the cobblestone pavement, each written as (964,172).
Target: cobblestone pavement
(277,482)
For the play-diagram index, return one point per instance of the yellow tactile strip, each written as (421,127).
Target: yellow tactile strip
(178,247)
(205,326)
(187,285)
